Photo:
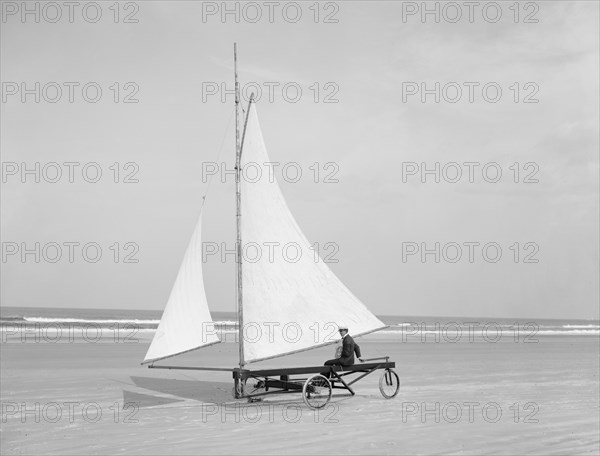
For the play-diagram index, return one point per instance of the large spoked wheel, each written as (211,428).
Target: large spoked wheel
(316,391)
(389,384)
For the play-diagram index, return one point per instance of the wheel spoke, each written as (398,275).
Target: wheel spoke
(316,391)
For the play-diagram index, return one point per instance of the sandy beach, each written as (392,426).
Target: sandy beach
(455,398)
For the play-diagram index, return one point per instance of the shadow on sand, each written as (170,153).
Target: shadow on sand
(201,391)
(214,392)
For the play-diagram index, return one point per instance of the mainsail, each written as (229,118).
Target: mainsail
(292,301)
(186,323)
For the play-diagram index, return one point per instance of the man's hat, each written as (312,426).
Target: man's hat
(340,327)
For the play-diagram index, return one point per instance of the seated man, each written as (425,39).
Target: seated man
(349,347)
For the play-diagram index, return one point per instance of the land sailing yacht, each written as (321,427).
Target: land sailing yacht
(303,300)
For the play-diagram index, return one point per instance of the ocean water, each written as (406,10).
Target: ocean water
(427,328)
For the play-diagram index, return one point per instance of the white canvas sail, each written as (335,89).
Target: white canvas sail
(292,301)
(186,323)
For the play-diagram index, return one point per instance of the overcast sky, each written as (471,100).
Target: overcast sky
(374,59)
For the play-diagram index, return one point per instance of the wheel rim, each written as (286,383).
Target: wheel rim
(316,391)
(389,384)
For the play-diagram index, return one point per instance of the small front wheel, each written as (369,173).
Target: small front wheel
(389,384)
(316,391)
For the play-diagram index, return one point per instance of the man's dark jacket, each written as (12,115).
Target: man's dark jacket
(349,347)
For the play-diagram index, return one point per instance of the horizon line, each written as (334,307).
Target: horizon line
(2,306)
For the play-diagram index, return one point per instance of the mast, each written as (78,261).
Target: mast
(238,194)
